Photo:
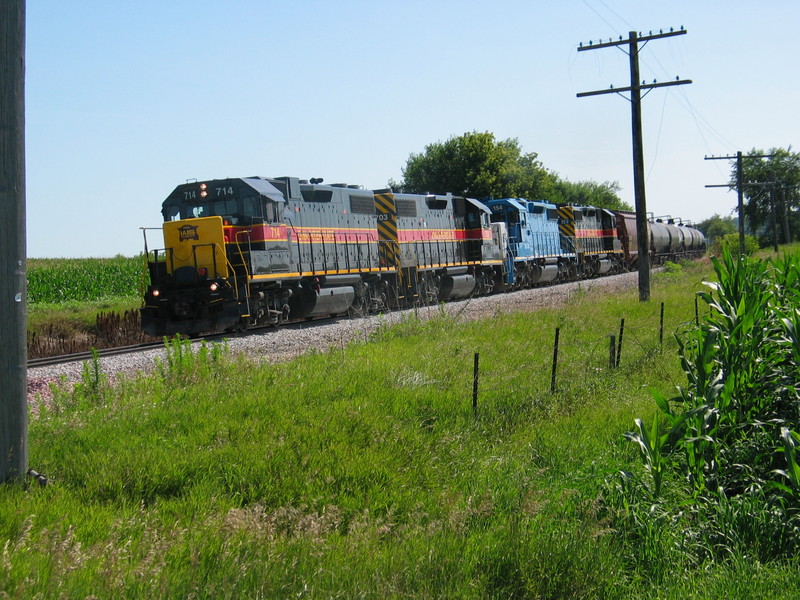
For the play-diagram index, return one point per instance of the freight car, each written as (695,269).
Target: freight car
(668,241)
(251,251)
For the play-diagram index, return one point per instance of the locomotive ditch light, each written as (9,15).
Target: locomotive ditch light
(214,286)
(155,293)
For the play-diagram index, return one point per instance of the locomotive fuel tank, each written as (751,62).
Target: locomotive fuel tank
(457,286)
(324,301)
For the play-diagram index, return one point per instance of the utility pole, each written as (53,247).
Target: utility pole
(739,187)
(635,89)
(13,342)
(774,218)
(787,236)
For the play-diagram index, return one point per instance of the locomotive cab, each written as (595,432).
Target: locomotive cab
(535,252)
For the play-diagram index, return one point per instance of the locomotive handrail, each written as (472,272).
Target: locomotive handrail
(311,248)
(323,260)
(297,240)
(235,278)
(244,264)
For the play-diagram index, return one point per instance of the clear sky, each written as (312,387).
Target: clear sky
(126,100)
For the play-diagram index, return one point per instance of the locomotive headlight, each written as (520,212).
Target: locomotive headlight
(203,190)
(214,287)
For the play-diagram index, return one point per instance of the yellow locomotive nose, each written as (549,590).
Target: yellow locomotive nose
(196,243)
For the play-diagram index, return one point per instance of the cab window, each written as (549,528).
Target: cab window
(172,212)
(251,207)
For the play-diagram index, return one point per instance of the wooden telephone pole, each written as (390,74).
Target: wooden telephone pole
(13,341)
(635,90)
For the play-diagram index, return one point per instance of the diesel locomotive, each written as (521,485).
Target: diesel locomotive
(249,251)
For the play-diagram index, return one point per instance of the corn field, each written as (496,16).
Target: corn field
(721,459)
(53,281)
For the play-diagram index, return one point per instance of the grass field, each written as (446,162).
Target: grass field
(363,472)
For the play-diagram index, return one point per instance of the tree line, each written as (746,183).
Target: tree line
(771,188)
(479,166)
(771,192)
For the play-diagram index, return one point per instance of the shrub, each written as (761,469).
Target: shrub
(730,243)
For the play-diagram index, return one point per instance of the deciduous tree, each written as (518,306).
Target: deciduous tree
(767,180)
(477,165)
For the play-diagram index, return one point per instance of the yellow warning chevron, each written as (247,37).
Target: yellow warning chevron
(388,240)
(566,221)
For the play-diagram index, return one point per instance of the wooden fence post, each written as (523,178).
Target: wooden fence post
(555,364)
(612,352)
(475,386)
(696,312)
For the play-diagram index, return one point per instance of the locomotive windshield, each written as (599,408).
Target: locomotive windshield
(248,209)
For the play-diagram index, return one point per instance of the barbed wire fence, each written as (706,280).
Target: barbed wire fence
(572,365)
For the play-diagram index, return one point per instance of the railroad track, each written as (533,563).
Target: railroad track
(48,361)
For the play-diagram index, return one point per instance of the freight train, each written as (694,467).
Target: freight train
(243,252)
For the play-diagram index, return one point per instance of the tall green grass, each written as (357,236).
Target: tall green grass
(362,472)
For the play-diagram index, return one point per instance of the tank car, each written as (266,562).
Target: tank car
(672,241)
(245,251)
(668,241)
(694,240)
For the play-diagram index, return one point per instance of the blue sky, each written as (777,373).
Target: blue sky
(125,101)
